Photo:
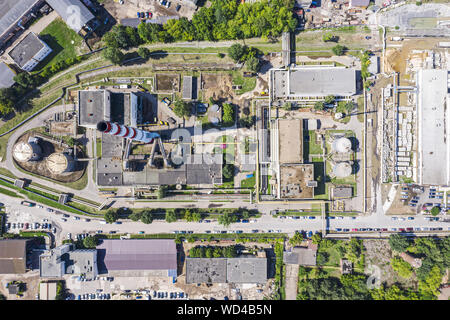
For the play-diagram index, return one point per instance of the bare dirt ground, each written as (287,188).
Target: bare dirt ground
(379,254)
(63,128)
(32,285)
(217,86)
(291,281)
(168,82)
(131,7)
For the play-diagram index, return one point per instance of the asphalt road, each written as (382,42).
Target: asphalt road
(19,213)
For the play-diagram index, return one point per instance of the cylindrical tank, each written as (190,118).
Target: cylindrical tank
(27,151)
(59,163)
(116,129)
(342,145)
(342,169)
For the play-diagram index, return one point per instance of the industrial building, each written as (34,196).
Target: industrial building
(138,257)
(189,88)
(29,52)
(313,81)
(13,256)
(28,151)
(6,76)
(303,256)
(66,259)
(226,270)
(14,14)
(73,12)
(295,176)
(433,127)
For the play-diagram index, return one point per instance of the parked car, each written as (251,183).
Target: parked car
(178,8)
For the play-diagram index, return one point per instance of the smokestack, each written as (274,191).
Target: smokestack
(116,129)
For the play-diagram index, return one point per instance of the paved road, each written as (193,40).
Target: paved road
(23,214)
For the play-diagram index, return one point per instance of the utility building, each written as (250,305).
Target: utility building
(29,52)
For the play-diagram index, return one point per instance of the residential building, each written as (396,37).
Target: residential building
(29,52)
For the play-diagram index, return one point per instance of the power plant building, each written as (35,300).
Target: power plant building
(27,151)
(59,163)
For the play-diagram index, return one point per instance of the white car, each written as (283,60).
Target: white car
(69,235)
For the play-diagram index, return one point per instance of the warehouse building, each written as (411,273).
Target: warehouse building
(29,52)
(73,12)
(14,14)
(138,257)
(226,270)
(433,127)
(6,76)
(313,81)
(66,259)
(13,256)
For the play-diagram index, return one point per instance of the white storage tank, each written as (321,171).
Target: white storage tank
(342,145)
(27,151)
(342,169)
(59,163)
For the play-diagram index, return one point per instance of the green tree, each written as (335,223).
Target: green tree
(25,79)
(429,288)
(171,216)
(135,216)
(402,267)
(144,53)
(111,216)
(226,219)
(435,211)
(322,258)
(253,64)
(228,114)
(330,99)
(228,171)
(236,52)
(114,55)
(327,37)
(296,239)
(316,238)
(398,242)
(181,108)
(90,242)
(339,50)
(188,215)
(147,217)
(196,216)
(287,106)
(161,192)
(319,106)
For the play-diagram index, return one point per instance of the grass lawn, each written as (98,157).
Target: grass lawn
(248,84)
(62,40)
(314,147)
(249,182)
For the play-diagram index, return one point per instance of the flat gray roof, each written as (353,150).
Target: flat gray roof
(247,270)
(322,82)
(12,10)
(223,270)
(6,76)
(434,127)
(66,11)
(187,87)
(314,82)
(26,49)
(206,270)
(93,106)
(301,256)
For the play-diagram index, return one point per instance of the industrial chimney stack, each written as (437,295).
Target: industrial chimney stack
(126,132)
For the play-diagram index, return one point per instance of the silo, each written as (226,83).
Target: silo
(342,169)
(342,145)
(27,151)
(59,163)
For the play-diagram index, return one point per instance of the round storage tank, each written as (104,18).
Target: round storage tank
(342,145)
(342,169)
(58,163)
(24,151)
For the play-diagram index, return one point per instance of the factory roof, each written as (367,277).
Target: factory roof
(133,254)
(301,256)
(93,107)
(26,49)
(434,127)
(6,76)
(65,9)
(13,256)
(12,10)
(223,270)
(342,192)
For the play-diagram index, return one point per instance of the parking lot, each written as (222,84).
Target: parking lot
(123,288)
